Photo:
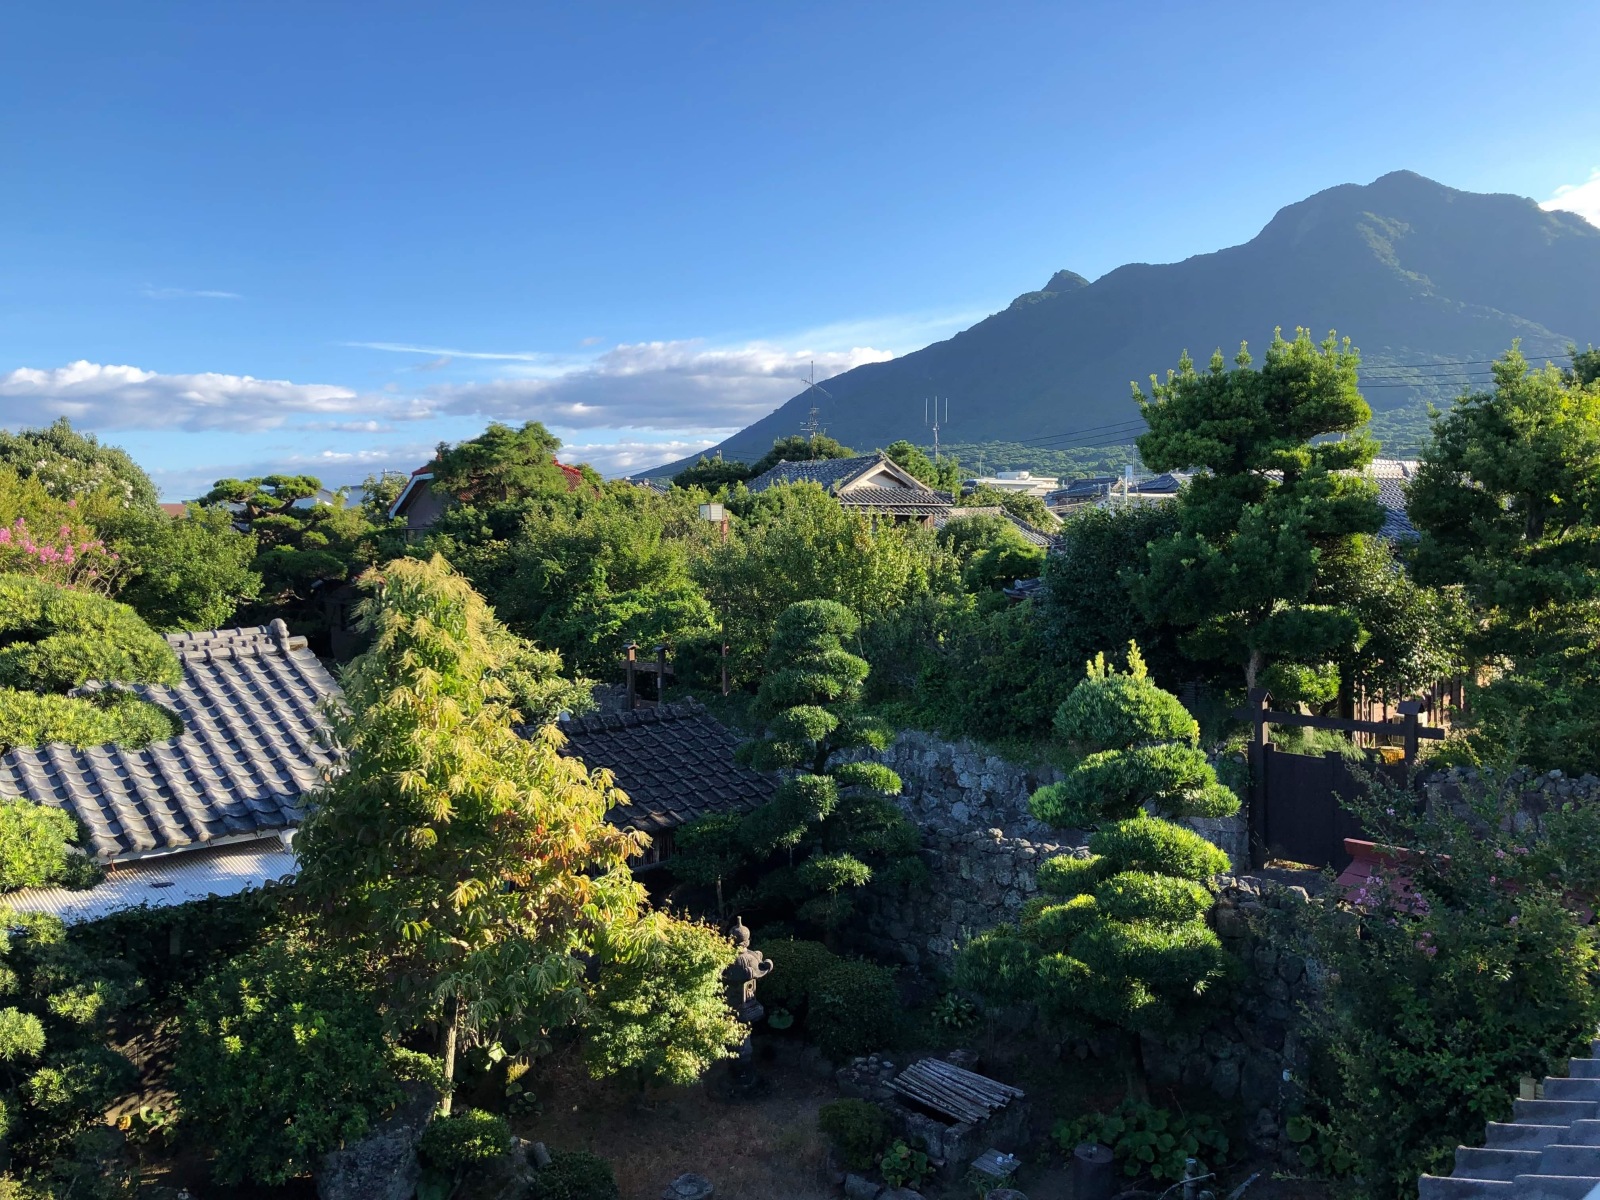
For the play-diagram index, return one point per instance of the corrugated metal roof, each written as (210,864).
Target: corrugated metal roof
(253,743)
(164,881)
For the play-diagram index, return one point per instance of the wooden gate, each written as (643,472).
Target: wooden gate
(1300,817)
(1295,809)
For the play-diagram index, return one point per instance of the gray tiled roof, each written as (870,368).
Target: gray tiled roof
(675,764)
(1396,525)
(897,501)
(829,472)
(251,747)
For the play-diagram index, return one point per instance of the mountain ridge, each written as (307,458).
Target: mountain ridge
(1428,281)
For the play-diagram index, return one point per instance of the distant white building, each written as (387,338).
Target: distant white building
(1021,483)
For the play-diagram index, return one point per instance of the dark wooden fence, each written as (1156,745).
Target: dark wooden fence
(1295,809)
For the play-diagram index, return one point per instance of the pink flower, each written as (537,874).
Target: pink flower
(1499,853)
(1513,920)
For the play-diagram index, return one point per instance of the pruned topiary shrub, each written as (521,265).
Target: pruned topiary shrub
(853,1008)
(796,963)
(575,1175)
(464,1139)
(1117,937)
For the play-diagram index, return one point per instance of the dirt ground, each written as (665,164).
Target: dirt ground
(765,1147)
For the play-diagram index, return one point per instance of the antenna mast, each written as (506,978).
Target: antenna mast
(811,427)
(936,421)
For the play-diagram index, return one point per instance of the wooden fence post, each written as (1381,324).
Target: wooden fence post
(632,649)
(1409,723)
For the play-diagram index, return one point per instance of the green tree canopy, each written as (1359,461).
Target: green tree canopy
(798,448)
(1238,576)
(75,466)
(53,641)
(712,474)
(476,865)
(660,1015)
(188,572)
(1507,501)
(795,542)
(501,464)
(587,576)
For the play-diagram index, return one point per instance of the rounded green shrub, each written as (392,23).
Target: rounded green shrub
(21,1036)
(1066,876)
(1058,924)
(998,962)
(1112,710)
(796,963)
(1145,843)
(1137,896)
(575,1175)
(462,1139)
(858,1129)
(853,1008)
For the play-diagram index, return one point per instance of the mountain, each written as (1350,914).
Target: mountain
(1428,281)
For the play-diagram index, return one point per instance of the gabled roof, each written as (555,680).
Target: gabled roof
(869,481)
(837,474)
(252,745)
(675,764)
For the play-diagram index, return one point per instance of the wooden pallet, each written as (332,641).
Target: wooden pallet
(956,1093)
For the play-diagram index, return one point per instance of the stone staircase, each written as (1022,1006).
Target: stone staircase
(1549,1150)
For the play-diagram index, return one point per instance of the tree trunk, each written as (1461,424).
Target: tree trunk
(1254,667)
(452,1033)
(722,909)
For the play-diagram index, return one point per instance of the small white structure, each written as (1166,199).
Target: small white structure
(1021,483)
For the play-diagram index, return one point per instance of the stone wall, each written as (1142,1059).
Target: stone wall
(981,844)
(1536,793)
(1252,1049)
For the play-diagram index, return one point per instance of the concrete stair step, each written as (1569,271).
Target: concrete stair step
(1572,1089)
(1441,1187)
(1475,1163)
(1566,1159)
(1582,1133)
(1584,1068)
(1555,1112)
(1554,1187)
(1507,1135)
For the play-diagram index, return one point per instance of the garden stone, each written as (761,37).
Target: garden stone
(902,1194)
(689,1186)
(859,1187)
(509,1177)
(383,1164)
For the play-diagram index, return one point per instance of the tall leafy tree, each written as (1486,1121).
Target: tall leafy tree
(1507,501)
(75,466)
(1275,497)
(794,543)
(501,464)
(477,865)
(188,572)
(588,575)
(1119,937)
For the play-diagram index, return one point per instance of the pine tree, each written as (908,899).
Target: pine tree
(1238,575)
(1119,937)
(831,827)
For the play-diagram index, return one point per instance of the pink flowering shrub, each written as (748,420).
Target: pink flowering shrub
(69,556)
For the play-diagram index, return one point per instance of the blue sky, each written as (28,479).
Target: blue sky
(323,236)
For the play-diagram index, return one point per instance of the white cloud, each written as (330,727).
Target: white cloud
(1581,198)
(631,457)
(123,397)
(656,385)
(172,293)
